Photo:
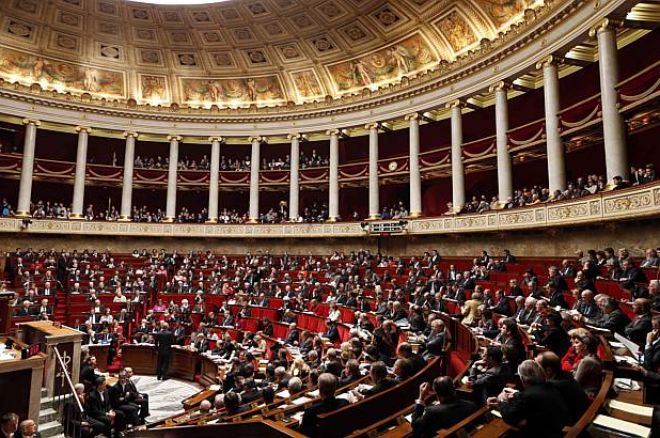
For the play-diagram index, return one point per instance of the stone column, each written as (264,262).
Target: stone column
(457,171)
(254,179)
(413,162)
(616,157)
(27,168)
(554,144)
(81,167)
(333,177)
(374,203)
(294,183)
(504,171)
(214,176)
(127,183)
(170,209)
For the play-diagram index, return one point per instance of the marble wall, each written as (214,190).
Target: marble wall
(549,242)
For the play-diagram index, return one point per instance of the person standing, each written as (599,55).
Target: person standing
(164,341)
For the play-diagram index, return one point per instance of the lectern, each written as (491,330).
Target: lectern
(48,335)
(20,380)
(5,311)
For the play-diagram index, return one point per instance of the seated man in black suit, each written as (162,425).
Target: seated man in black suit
(293,337)
(120,399)
(426,420)
(405,351)
(489,374)
(140,399)
(378,375)
(98,407)
(327,384)
(88,372)
(332,333)
(611,317)
(538,410)
(351,373)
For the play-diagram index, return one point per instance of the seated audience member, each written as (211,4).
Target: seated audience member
(379,378)
(574,397)
(233,404)
(586,305)
(27,429)
(437,341)
(426,420)
(405,351)
(98,408)
(8,425)
(75,421)
(570,360)
(651,362)
(588,371)
(327,384)
(536,411)
(511,340)
(403,370)
(553,336)
(88,372)
(489,374)
(332,334)
(527,313)
(350,374)
(639,327)
(120,399)
(136,397)
(611,317)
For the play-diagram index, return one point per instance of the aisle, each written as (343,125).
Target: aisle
(165,396)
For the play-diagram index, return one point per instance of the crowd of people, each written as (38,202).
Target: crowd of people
(583,186)
(403,292)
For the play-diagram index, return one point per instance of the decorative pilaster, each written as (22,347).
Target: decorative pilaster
(333,191)
(413,160)
(127,183)
(170,209)
(27,168)
(81,166)
(214,175)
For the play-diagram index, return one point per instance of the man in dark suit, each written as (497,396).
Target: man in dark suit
(538,410)
(293,337)
(98,407)
(378,375)
(327,384)
(164,340)
(611,318)
(556,297)
(120,399)
(405,351)
(331,333)
(88,372)
(638,328)
(351,373)
(651,367)
(426,420)
(140,399)
(489,374)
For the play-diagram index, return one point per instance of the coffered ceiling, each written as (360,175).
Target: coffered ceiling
(240,52)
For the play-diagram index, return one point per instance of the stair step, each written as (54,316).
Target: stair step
(51,429)
(47,415)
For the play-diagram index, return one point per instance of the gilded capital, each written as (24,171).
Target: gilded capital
(218,139)
(87,129)
(130,134)
(456,103)
(371,126)
(258,139)
(31,122)
(605,24)
(296,136)
(332,132)
(174,138)
(550,60)
(413,116)
(499,86)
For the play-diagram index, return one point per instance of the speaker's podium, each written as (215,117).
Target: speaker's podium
(49,336)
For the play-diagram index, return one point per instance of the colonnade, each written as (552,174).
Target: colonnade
(613,130)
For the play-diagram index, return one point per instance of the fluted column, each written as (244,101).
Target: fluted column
(457,171)
(413,160)
(294,184)
(214,179)
(333,191)
(504,170)
(81,166)
(127,183)
(614,135)
(27,167)
(170,209)
(254,179)
(554,144)
(374,202)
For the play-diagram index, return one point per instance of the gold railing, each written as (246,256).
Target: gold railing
(632,203)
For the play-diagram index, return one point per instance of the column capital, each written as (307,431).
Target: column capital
(549,60)
(332,132)
(174,137)
(256,138)
(31,122)
(130,134)
(413,116)
(605,24)
(218,139)
(371,126)
(456,103)
(295,135)
(499,86)
(87,129)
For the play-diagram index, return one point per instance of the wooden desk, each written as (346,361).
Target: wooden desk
(183,363)
(101,352)
(20,384)
(142,358)
(209,372)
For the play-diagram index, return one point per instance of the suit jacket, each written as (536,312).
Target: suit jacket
(309,425)
(118,396)
(164,341)
(557,299)
(332,334)
(574,397)
(379,387)
(542,408)
(615,321)
(427,421)
(489,383)
(293,336)
(95,407)
(638,328)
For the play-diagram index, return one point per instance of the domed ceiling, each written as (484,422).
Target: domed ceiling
(240,52)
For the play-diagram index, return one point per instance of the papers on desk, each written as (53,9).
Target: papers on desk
(348,396)
(298,416)
(617,344)
(642,411)
(626,428)
(631,346)
(408,418)
(314,393)
(597,329)
(214,387)
(264,362)
(283,394)
(626,359)
(626,384)
(301,400)
(364,387)
(496,413)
